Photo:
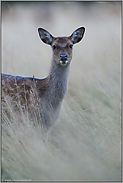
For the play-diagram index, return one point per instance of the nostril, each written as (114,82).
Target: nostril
(63,57)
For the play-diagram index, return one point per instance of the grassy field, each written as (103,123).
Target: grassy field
(85,142)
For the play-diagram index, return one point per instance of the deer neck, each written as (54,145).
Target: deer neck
(58,81)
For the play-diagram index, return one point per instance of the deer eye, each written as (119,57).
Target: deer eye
(71,46)
(54,47)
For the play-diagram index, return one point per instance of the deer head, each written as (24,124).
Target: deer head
(62,46)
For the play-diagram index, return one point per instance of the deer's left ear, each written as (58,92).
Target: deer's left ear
(45,36)
(77,35)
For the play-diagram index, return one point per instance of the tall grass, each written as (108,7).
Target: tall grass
(85,142)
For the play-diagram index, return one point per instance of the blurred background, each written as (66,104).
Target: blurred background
(85,142)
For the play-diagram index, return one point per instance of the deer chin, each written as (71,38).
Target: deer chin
(63,62)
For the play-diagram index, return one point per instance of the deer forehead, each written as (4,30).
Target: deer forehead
(61,41)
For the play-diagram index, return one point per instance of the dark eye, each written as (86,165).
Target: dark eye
(70,46)
(54,47)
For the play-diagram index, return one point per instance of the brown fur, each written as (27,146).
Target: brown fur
(48,93)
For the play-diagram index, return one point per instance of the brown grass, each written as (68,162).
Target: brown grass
(85,142)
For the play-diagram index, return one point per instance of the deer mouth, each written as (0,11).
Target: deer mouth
(63,62)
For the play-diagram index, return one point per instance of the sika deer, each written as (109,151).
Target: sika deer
(47,93)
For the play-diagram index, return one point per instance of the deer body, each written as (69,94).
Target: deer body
(48,93)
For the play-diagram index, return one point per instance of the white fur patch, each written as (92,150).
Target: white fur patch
(63,63)
(48,36)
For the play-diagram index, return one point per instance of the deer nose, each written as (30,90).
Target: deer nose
(63,57)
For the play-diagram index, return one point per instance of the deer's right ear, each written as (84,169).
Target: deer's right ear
(77,35)
(45,36)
